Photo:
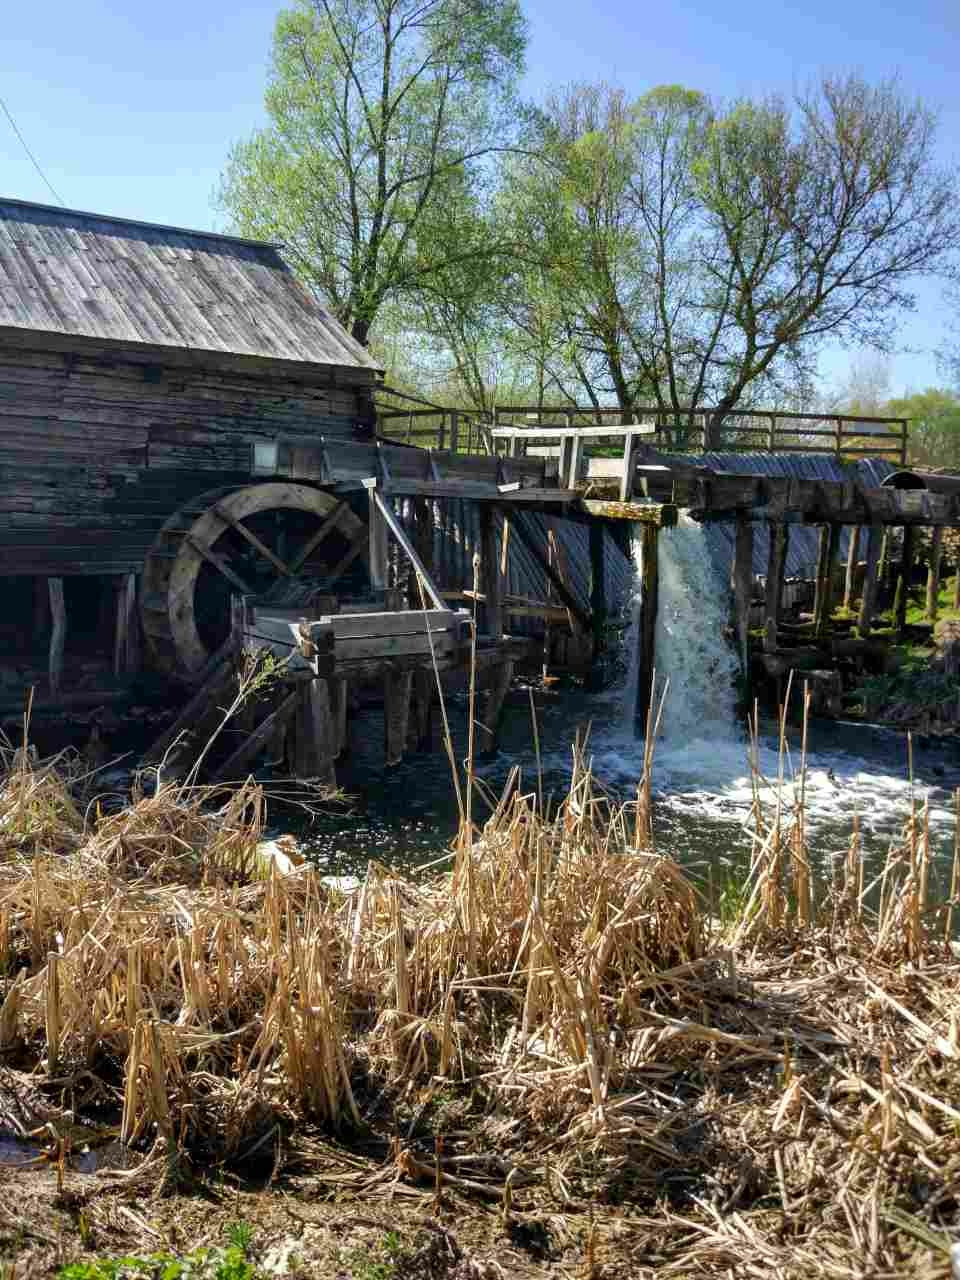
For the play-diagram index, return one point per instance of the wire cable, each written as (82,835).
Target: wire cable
(33,159)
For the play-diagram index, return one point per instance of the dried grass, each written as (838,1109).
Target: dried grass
(783,1095)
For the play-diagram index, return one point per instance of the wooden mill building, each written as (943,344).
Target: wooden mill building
(150,379)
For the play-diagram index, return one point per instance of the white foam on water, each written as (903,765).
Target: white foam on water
(701,763)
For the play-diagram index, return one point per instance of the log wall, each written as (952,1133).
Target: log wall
(99,446)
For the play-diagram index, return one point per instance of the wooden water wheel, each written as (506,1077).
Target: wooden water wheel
(248,541)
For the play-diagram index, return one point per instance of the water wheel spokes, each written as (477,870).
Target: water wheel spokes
(258,541)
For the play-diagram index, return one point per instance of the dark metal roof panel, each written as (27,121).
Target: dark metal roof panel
(92,276)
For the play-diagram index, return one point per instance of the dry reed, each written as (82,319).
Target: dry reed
(783,1094)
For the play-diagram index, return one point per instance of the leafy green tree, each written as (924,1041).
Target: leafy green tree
(700,255)
(383,117)
(934,439)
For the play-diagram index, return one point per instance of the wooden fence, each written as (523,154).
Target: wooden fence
(741,431)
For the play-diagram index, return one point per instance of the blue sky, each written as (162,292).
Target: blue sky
(131,105)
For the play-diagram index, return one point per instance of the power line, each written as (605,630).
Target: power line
(33,159)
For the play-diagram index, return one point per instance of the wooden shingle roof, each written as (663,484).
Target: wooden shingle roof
(90,276)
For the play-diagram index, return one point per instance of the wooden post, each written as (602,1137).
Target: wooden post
(956,585)
(378,544)
(58,632)
(823,605)
(647,629)
(626,477)
(491,581)
(903,581)
(933,573)
(598,595)
(489,723)
(869,594)
(424,687)
(125,646)
(339,705)
(454,430)
(742,588)
(884,561)
(776,565)
(853,559)
(314,744)
(397,686)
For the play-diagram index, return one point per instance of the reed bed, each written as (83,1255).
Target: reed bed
(775,1095)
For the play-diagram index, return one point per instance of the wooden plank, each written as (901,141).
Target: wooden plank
(351,650)
(125,647)
(773,595)
(406,622)
(377,532)
(571,602)
(257,741)
(647,628)
(58,631)
(875,536)
(314,733)
(196,710)
(662,514)
(598,594)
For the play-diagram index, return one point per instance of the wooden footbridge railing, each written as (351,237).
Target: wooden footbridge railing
(514,428)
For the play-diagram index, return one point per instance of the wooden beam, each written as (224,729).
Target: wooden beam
(58,631)
(314,747)
(823,602)
(647,629)
(310,546)
(377,533)
(220,564)
(853,559)
(773,596)
(489,724)
(933,574)
(904,577)
(255,743)
(743,588)
(125,646)
(663,514)
(875,537)
(553,577)
(398,531)
(249,536)
(397,687)
(598,595)
(491,581)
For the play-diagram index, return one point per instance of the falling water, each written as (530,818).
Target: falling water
(693,650)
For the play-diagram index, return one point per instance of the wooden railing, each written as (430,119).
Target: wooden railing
(741,430)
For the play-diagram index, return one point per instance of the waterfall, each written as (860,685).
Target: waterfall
(693,647)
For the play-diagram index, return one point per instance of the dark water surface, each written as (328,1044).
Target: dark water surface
(407,816)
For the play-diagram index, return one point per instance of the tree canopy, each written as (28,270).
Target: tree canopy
(666,249)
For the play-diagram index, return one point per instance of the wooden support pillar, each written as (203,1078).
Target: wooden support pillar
(826,564)
(647,629)
(489,724)
(424,688)
(491,581)
(314,729)
(598,596)
(742,588)
(126,647)
(903,580)
(58,632)
(868,598)
(378,545)
(933,573)
(339,705)
(773,596)
(397,686)
(853,559)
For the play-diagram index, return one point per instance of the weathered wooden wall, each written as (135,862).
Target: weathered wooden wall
(99,446)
